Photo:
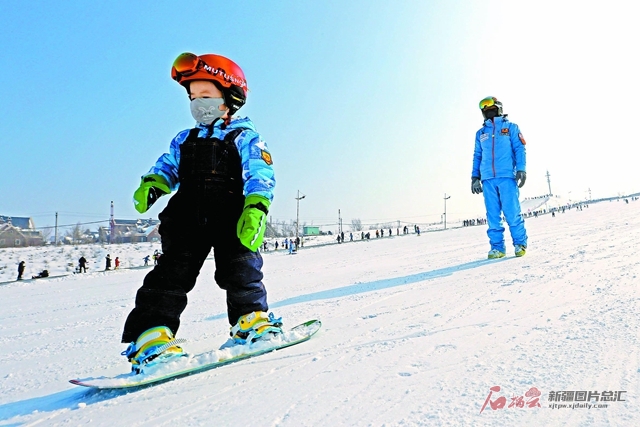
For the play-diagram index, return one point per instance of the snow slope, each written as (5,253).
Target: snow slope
(416,332)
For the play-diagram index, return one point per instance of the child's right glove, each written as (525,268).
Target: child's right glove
(252,223)
(152,187)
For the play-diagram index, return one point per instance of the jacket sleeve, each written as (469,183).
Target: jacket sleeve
(477,157)
(257,170)
(518,147)
(167,165)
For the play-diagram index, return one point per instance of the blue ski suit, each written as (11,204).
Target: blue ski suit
(500,152)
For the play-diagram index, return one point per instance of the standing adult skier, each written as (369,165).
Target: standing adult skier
(222,171)
(499,170)
(20,270)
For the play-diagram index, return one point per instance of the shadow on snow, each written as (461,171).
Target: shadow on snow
(376,285)
(63,400)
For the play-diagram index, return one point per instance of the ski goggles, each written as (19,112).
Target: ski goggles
(215,67)
(489,101)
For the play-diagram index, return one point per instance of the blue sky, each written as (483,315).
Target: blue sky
(369,107)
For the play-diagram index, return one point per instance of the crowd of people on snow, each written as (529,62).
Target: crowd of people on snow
(472,222)
(83,263)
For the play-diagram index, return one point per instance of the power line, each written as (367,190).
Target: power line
(72,225)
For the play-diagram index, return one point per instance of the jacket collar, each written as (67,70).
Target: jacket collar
(497,120)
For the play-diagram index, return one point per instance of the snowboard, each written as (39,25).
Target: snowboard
(179,367)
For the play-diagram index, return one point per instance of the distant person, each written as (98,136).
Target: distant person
(108,262)
(43,273)
(20,270)
(146,260)
(156,255)
(117,262)
(82,265)
(499,171)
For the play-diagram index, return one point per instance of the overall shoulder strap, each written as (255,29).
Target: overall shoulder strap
(232,135)
(193,134)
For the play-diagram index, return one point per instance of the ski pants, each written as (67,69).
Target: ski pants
(189,228)
(501,195)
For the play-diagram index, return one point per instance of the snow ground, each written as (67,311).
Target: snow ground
(416,330)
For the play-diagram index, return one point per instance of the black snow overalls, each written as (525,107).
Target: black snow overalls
(202,214)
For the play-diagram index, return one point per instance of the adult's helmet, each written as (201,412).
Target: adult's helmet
(489,102)
(223,72)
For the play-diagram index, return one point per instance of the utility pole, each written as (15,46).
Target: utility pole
(445,209)
(55,239)
(112,225)
(339,222)
(589,195)
(549,183)
(298,212)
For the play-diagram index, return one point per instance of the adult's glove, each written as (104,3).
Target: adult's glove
(521,177)
(152,187)
(476,185)
(253,221)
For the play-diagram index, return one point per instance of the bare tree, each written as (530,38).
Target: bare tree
(356,224)
(46,234)
(74,234)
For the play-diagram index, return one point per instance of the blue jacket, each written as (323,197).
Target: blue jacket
(499,151)
(257,172)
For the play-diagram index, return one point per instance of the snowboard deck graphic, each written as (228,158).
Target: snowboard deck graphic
(190,365)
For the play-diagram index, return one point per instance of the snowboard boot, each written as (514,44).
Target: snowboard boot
(153,346)
(520,250)
(255,326)
(494,254)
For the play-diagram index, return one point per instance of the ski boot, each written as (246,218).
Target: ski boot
(255,326)
(494,254)
(520,250)
(153,346)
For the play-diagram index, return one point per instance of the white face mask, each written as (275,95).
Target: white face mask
(206,110)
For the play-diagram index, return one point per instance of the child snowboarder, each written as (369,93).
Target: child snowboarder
(222,171)
(499,162)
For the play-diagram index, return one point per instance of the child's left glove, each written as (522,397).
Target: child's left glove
(252,223)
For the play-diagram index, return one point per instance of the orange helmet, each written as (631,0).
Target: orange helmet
(223,72)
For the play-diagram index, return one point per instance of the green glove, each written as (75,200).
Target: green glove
(152,187)
(252,223)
